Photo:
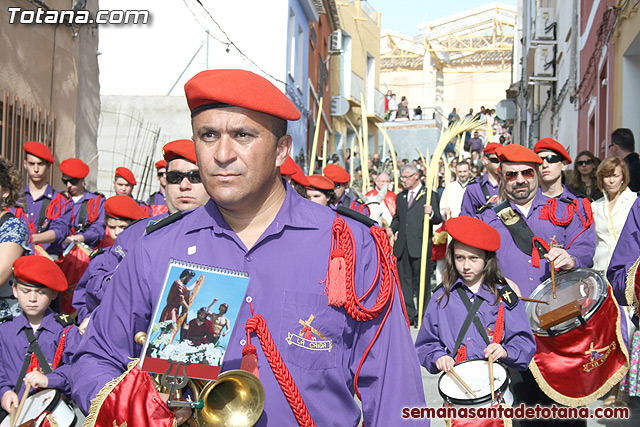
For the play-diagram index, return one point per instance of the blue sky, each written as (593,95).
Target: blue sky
(405,15)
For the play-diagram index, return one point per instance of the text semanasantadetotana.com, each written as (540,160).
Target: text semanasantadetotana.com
(518,412)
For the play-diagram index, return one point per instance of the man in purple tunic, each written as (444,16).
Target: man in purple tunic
(45,208)
(525,201)
(257,223)
(88,207)
(482,193)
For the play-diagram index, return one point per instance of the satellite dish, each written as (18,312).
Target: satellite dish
(506,109)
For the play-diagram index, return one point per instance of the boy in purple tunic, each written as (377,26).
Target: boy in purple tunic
(482,193)
(472,274)
(44,363)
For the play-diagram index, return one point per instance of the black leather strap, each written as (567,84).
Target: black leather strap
(518,228)
(33,348)
(472,310)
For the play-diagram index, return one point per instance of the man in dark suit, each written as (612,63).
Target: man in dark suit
(407,224)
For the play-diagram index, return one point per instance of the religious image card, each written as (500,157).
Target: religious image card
(193,320)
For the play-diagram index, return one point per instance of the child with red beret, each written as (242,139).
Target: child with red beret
(471,273)
(44,363)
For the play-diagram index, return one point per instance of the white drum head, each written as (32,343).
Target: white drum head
(44,401)
(476,374)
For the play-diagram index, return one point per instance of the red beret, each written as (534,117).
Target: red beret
(336,173)
(75,168)
(300,178)
(517,154)
(184,148)
(289,167)
(37,270)
(320,182)
(491,147)
(237,88)
(161,164)
(549,144)
(38,149)
(474,232)
(125,173)
(123,207)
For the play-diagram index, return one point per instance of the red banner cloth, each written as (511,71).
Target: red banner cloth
(73,266)
(593,356)
(132,401)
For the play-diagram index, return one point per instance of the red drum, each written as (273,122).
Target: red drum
(590,349)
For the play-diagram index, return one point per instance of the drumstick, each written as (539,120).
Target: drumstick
(465,385)
(24,398)
(493,388)
(539,301)
(12,417)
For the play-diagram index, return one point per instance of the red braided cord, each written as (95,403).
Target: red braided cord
(586,222)
(461,355)
(57,206)
(552,206)
(93,209)
(498,330)
(33,363)
(58,357)
(258,325)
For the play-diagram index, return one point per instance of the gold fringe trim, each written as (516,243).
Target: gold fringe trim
(604,389)
(101,396)
(630,289)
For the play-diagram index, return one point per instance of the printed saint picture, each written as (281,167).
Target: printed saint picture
(193,319)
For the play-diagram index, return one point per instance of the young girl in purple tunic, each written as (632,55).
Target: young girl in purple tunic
(473,282)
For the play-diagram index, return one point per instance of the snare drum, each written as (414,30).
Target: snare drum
(476,374)
(39,405)
(589,348)
(587,287)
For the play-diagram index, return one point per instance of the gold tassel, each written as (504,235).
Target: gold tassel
(629,291)
(101,396)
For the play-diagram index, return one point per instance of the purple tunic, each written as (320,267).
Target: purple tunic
(156,198)
(94,232)
(442,324)
(61,225)
(15,344)
(516,265)
(474,196)
(353,204)
(90,288)
(626,253)
(283,293)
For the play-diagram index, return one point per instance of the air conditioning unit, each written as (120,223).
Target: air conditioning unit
(544,64)
(335,42)
(545,24)
(339,106)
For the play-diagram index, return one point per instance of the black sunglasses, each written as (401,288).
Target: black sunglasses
(161,174)
(493,159)
(175,177)
(526,174)
(551,158)
(583,162)
(72,181)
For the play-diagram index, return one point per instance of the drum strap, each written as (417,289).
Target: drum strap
(522,235)
(472,310)
(34,348)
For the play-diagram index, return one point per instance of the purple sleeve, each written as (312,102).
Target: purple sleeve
(518,339)
(625,254)
(95,232)
(581,243)
(108,344)
(383,396)
(429,346)
(79,295)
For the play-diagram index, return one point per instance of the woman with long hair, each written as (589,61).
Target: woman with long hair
(14,235)
(582,181)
